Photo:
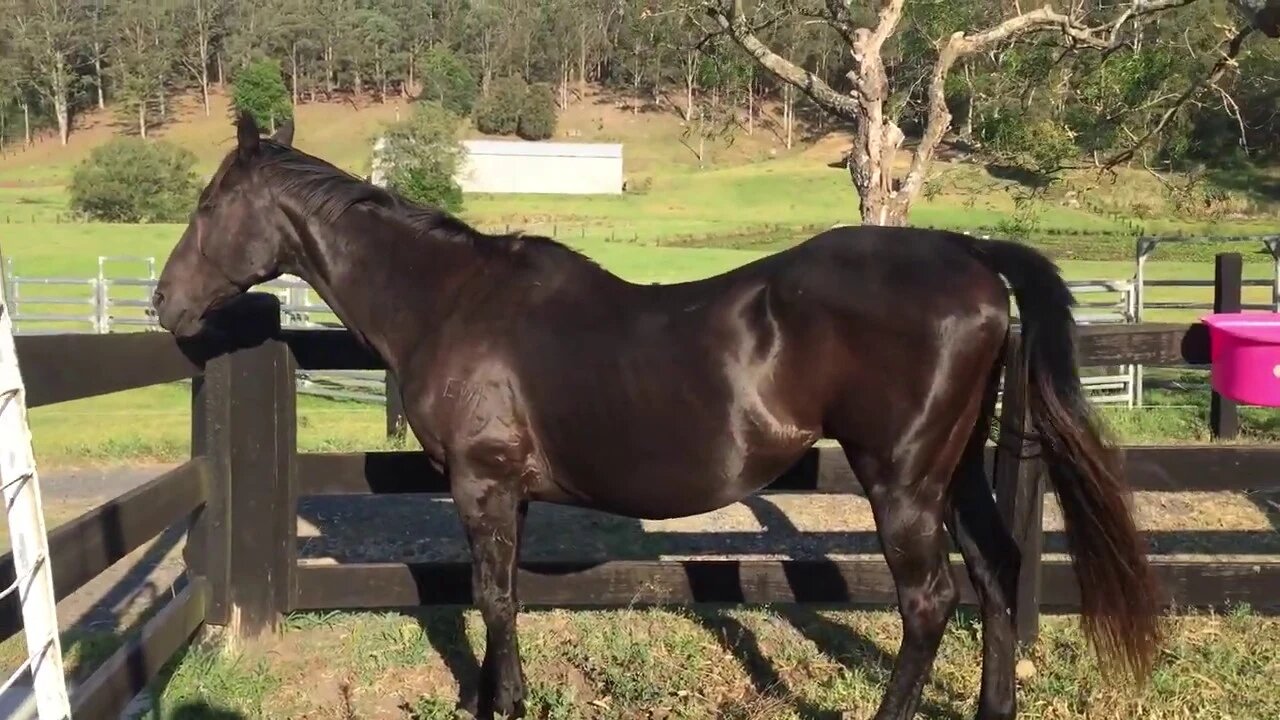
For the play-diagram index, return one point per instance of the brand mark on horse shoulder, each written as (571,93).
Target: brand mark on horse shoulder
(464,392)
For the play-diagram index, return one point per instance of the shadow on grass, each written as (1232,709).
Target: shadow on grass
(446,630)
(1261,186)
(840,643)
(203,711)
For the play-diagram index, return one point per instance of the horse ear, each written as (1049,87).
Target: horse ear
(246,136)
(284,135)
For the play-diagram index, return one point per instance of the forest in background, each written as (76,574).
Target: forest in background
(1031,101)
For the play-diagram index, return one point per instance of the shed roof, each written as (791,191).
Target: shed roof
(543,149)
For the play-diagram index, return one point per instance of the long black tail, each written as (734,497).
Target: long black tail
(1118,592)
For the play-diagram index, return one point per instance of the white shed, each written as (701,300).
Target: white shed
(514,166)
(517,166)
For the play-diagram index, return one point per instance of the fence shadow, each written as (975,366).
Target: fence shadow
(420,529)
(202,711)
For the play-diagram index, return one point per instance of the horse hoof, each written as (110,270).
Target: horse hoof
(468,708)
(510,707)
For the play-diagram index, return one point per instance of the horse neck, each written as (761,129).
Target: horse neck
(383,278)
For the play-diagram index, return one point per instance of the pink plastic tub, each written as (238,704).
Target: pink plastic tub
(1245,352)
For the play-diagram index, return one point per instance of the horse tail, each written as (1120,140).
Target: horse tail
(1117,589)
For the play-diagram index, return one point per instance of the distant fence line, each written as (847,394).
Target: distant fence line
(106,304)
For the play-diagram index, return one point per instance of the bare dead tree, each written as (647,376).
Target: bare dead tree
(883,198)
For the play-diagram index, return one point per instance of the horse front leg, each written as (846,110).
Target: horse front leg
(493,512)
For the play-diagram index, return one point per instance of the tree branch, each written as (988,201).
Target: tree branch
(1045,19)
(1227,61)
(732,20)
(890,14)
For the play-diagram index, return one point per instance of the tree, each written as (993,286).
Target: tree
(537,114)
(378,53)
(201,21)
(446,79)
(498,113)
(48,32)
(721,75)
(293,34)
(869,105)
(140,60)
(422,156)
(131,180)
(10,88)
(259,90)
(98,45)
(639,50)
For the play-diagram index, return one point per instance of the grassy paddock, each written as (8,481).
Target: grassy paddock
(762,664)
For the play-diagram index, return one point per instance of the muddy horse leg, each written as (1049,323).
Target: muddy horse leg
(992,559)
(493,514)
(908,503)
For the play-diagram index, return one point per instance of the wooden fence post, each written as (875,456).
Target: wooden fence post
(244,542)
(396,427)
(206,552)
(1228,272)
(1019,486)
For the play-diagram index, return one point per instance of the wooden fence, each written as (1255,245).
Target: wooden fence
(240,491)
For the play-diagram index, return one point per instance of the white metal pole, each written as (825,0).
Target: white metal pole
(1139,303)
(34,579)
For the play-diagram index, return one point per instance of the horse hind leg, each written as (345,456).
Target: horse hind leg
(992,558)
(908,500)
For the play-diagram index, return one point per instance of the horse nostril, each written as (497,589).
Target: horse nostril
(156,298)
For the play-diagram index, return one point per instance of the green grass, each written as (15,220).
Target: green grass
(760,664)
(153,424)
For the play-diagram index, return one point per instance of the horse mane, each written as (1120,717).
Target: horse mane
(323,190)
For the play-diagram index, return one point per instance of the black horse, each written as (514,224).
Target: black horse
(530,373)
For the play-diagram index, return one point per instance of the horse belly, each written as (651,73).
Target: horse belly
(679,480)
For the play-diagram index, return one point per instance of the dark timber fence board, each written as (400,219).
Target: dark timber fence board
(1099,346)
(823,469)
(1224,416)
(1142,344)
(330,350)
(1019,488)
(1181,468)
(85,547)
(682,582)
(126,673)
(1217,585)
(624,583)
(57,368)
(1204,468)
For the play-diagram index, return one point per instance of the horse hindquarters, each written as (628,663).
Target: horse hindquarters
(905,445)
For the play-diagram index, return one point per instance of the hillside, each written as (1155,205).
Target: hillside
(341,132)
(753,194)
